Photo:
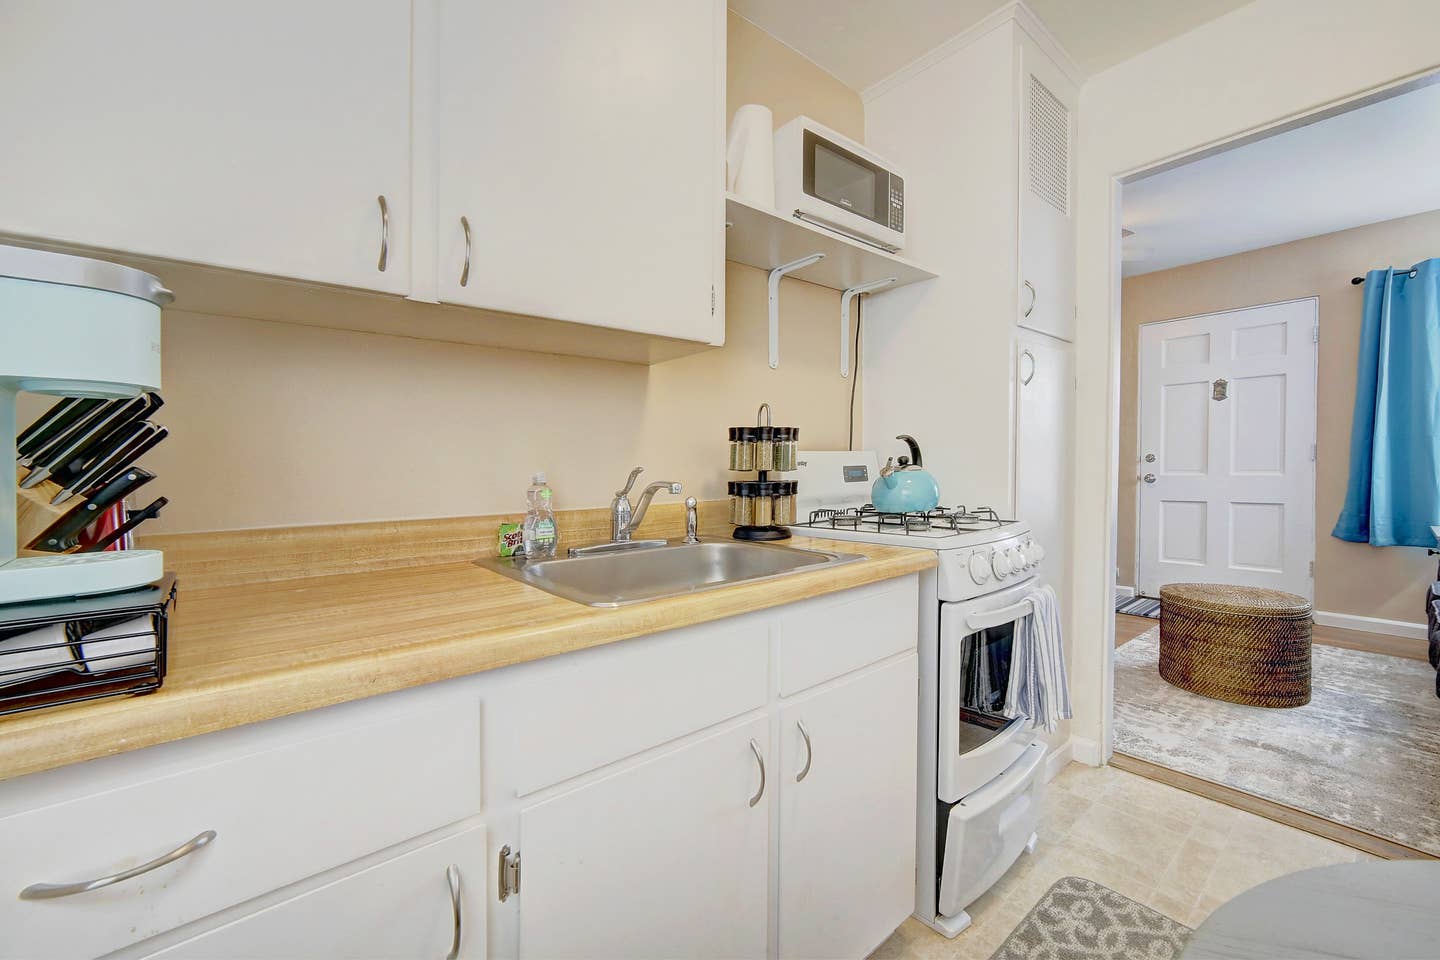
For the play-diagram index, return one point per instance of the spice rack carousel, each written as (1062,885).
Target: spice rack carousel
(760,509)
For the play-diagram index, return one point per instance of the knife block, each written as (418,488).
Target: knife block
(33,510)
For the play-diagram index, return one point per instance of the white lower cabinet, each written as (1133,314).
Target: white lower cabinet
(405,907)
(666,804)
(663,859)
(847,813)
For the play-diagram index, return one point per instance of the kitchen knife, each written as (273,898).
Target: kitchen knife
(131,443)
(104,441)
(126,457)
(61,535)
(53,422)
(81,427)
(132,520)
(85,444)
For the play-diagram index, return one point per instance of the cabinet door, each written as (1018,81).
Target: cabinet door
(1044,425)
(1047,195)
(663,859)
(404,907)
(252,135)
(584,144)
(847,813)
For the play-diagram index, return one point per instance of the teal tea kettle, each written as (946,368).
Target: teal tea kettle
(905,486)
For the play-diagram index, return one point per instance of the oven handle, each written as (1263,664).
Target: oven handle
(993,618)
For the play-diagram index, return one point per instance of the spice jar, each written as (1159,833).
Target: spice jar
(765,448)
(786,446)
(742,448)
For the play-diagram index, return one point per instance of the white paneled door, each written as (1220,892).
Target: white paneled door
(1227,447)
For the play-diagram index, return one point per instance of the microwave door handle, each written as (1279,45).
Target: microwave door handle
(994,618)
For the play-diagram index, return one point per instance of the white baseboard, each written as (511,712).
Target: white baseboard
(1390,628)
(1123,592)
(1085,751)
(1058,760)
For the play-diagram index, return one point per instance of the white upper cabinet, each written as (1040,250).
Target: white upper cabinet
(1047,195)
(583,143)
(255,136)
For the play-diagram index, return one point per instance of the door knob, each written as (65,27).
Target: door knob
(1149,478)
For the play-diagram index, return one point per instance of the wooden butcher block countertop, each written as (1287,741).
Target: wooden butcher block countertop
(246,651)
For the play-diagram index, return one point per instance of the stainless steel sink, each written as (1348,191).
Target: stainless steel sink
(637,575)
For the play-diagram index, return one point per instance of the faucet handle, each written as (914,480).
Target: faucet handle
(625,490)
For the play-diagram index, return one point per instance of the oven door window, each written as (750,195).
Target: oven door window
(985,669)
(839,177)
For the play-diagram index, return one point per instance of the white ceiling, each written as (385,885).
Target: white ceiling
(1372,164)
(864,41)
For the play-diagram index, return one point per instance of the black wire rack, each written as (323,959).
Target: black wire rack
(959,519)
(71,651)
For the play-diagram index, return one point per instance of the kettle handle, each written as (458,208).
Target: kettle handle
(914,449)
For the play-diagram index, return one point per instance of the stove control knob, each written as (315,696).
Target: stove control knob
(1017,560)
(979,569)
(1000,564)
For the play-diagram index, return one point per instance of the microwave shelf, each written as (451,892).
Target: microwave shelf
(769,238)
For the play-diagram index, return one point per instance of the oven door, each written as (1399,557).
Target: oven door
(977,742)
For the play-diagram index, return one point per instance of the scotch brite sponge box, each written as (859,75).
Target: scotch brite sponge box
(510,540)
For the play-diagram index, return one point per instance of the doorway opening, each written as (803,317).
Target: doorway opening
(1240,368)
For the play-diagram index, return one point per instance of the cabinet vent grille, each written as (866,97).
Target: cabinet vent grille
(1049,147)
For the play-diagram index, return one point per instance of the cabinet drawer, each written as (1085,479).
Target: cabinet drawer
(569,715)
(829,636)
(398,908)
(281,812)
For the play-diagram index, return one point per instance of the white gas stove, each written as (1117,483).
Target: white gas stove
(979,771)
(980,551)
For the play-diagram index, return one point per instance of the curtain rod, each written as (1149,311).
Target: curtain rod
(1356,281)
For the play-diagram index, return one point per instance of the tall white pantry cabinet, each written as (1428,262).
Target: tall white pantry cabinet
(979,361)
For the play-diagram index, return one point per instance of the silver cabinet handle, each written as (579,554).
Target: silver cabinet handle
(1025,381)
(384,232)
(809,752)
(465,270)
(1033,296)
(1149,478)
(49,891)
(755,749)
(452,876)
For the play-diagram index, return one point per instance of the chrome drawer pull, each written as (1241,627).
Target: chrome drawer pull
(1033,296)
(465,271)
(755,749)
(49,891)
(452,876)
(384,232)
(809,751)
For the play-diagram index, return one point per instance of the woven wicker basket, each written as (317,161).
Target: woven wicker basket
(1241,644)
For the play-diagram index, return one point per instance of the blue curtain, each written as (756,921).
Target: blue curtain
(1394,492)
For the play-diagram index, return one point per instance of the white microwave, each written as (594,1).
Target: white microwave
(830,180)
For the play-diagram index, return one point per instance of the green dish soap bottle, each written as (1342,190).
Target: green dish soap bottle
(541,536)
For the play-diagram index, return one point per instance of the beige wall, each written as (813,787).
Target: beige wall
(1350,578)
(277,424)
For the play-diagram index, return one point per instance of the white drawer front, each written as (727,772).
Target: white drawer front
(399,908)
(829,636)
(568,715)
(280,814)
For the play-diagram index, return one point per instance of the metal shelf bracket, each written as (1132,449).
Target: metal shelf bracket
(845,299)
(775,274)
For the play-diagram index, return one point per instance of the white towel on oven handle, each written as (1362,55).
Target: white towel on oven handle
(1039,687)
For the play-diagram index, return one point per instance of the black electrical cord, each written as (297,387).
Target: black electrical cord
(855,368)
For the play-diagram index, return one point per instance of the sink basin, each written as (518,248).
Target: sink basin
(650,573)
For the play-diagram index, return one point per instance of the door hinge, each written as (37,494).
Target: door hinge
(1312,453)
(508,883)
(1316,333)
(712,299)
(1312,569)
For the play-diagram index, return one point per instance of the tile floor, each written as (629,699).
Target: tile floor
(1178,853)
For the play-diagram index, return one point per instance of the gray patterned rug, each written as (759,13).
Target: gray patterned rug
(1364,752)
(1079,919)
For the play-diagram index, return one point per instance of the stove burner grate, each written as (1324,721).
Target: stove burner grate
(960,519)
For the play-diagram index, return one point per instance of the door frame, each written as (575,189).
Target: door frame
(1310,475)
